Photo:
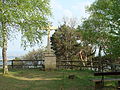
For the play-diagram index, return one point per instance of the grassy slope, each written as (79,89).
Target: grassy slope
(43,80)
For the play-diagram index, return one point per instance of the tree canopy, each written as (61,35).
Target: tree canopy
(64,41)
(102,28)
(24,16)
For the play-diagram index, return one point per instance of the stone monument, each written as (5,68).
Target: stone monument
(49,56)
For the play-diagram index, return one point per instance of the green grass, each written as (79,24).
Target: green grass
(33,79)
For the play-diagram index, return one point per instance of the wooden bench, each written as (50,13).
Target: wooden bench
(99,83)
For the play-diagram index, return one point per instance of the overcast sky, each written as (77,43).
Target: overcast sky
(60,9)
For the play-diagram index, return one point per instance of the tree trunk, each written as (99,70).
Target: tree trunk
(100,61)
(4,48)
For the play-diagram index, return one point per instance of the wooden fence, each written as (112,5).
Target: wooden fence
(27,64)
(65,64)
(70,64)
(92,65)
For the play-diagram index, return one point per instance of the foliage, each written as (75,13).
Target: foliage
(63,42)
(102,26)
(108,11)
(34,55)
(68,41)
(94,34)
(17,58)
(26,17)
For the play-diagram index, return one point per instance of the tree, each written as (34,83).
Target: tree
(94,33)
(63,42)
(25,16)
(109,11)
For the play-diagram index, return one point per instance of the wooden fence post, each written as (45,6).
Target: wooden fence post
(12,64)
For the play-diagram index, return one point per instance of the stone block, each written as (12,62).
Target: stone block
(50,61)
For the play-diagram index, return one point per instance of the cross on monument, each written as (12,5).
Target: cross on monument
(49,28)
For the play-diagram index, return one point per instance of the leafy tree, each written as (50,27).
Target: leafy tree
(63,42)
(94,33)
(25,16)
(109,11)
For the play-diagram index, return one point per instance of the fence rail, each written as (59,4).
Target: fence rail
(25,64)
(64,64)
(71,64)
(80,65)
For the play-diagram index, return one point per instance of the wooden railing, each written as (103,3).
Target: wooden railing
(27,64)
(77,64)
(65,64)
(74,64)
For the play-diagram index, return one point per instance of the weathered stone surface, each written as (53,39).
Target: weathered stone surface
(50,61)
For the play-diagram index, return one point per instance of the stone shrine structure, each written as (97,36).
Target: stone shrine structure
(49,56)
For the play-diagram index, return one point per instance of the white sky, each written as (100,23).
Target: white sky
(60,9)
